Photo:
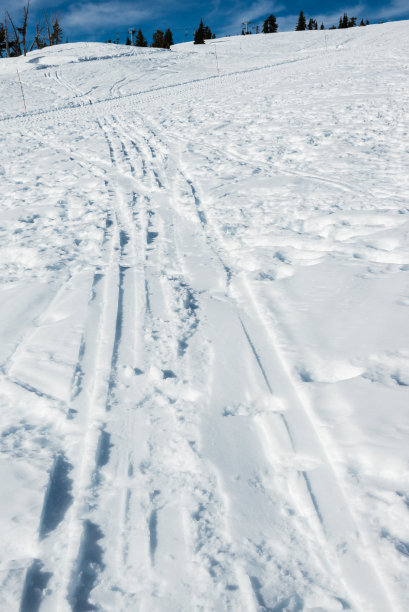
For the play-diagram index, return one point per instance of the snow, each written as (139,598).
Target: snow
(204,297)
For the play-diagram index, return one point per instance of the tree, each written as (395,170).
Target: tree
(54,30)
(270,25)
(6,38)
(199,34)
(57,33)
(13,46)
(312,24)
(207,33)
(128,41)
(301,25)
(322,27)
(346,22)
(2,40)
(158,41)
(38,42)
(14,39)
(140,39)
(168,39)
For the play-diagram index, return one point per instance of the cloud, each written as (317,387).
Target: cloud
(242,11)
(397,8)
(92,16)
(14,7)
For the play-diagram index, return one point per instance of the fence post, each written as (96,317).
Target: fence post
(217,60)
(22,91)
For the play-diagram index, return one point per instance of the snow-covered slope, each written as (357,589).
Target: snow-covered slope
(204,309)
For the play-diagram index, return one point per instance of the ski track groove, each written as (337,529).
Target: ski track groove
(84,383)
(217,244)
(192,84)
(143,159)
(154,152)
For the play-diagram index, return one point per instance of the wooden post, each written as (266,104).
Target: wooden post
(22,92)
(217,61)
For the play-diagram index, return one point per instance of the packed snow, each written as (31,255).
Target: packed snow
(204,306)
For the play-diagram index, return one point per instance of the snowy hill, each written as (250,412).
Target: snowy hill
(204,307)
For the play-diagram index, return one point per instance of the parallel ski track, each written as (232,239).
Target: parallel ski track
(271,330)
(84,486)
(161,350)
(154,93)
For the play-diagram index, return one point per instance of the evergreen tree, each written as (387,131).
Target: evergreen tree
(301,25)
(158,39)
(56,34)
(312,24)
(140,39)
(128,41)
(199,34)
(207,33)
(346,22)
(270,25)
(322,27)
(168,39)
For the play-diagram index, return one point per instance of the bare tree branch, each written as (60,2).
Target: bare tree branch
(6,34)
(24,27)
(17,37)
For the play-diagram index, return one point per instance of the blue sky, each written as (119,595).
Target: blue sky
(94,20)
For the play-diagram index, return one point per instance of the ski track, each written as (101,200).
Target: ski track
(139,496)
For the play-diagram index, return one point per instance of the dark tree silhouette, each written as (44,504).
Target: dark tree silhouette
(270,25)
(199,34)
(301,24)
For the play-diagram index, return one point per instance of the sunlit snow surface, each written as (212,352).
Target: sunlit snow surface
(204,308)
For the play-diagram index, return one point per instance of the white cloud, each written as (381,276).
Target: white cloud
(88,16)
(397,8)
(256,11)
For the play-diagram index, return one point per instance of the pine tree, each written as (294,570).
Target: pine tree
(346,22)
(301,25)
(343,22)
(270,25)
(168,39)
(140,39)
(56,34)
(322,27)
(312,24)
(128,41)
(199,34)
(207,33)
(157,39)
